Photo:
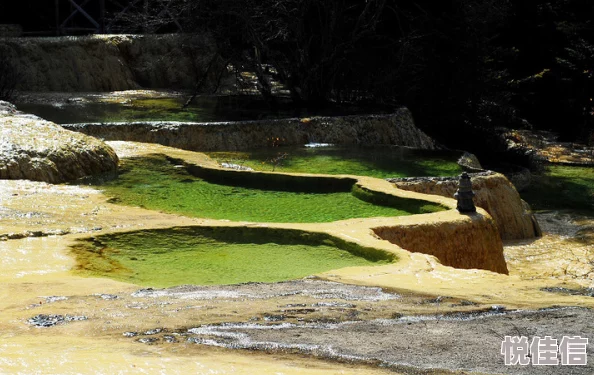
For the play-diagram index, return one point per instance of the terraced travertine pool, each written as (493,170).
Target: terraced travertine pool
(159,183)
(227,255)
(379,162)
(156,182)
(159,106)
(217,255)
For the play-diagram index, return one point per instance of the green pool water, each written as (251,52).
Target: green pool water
(104,107)
(380,162)
(562,187)
(157,183)
(203,256)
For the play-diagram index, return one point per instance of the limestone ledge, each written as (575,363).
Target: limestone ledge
(35,149)
(493,192)
(392,129)
(457,240)
(108,62)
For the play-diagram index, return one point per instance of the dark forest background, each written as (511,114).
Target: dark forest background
(464,68)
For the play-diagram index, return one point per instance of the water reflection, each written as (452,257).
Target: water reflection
(125,106)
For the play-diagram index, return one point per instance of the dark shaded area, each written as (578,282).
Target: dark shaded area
(36,15)
(273,182)
(9,76)
(562,187)
(464,67)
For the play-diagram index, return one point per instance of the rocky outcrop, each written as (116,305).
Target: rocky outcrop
(108,62)
(34,149)
(393,129)
(493,192)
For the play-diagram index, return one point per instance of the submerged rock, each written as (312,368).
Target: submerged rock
(236,167)
(493,192)
(51,299)
(470,162)
(35,149)
(45,320)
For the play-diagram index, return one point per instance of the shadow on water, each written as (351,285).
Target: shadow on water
(379,162)
(563,187)
(208,108)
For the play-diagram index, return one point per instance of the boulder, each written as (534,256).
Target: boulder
(35,149)
(493,192)
(470,162)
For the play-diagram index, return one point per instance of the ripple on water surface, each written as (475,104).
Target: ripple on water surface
(32,257)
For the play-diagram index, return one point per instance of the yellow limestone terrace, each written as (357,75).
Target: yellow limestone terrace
(493,192)
(458,240)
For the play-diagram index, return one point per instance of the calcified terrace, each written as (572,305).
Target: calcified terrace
(36,279)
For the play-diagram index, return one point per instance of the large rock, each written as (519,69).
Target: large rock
(108,62)
(494,192)
(392,129)
(34,149)
(470,162)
